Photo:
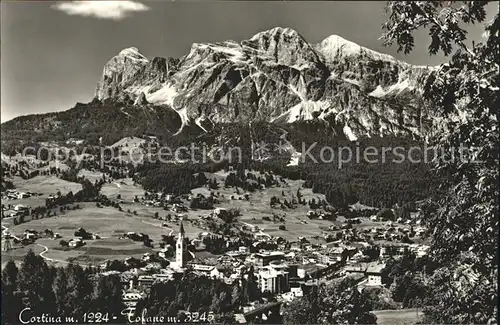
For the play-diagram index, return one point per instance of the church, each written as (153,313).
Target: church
(182,255)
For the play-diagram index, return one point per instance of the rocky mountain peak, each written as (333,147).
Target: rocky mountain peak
(335,46)
(282,32)
(276,75)
(282,45)
(133,53)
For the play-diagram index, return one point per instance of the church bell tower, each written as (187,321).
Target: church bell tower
(180,249)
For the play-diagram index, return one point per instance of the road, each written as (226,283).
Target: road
(6,231)
(45,250)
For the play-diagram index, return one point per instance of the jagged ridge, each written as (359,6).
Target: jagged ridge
(276,75)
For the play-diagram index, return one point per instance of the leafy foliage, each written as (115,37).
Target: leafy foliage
(64,291)
(465,92)
(341,303)
(190,293)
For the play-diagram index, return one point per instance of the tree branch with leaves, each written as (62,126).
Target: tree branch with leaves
(464,95)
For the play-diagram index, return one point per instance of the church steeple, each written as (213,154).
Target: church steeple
(180,249)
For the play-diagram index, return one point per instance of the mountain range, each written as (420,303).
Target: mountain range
(274,76)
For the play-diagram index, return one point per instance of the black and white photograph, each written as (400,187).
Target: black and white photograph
(249,162)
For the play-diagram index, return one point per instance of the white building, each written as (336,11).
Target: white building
(75,242)
(22,195)
(220,212)
(180,251)
(162,277)
(297,291)
(163,253)
(20,207)
(421,250)
(145,281)
(208,270)
(265,257)
(374,275)
(130,298)
(272,280)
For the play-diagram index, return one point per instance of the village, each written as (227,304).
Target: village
(284,273)
(284,268)
(249,162)
(281,234)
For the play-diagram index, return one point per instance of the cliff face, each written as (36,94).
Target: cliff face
(276,75)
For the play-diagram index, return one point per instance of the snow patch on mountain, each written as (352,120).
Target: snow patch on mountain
(275,75)
(300,67)
(379,92)
(394,89)
(198,122)
(184,119)
(232,49)
(306,110)
(133,53)
(334,46)
(349,134)
(273,31)
(300,93)
(164,95)
(352,81)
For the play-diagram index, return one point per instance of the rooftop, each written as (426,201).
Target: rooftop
(375,269)
(265,254)
(200,267)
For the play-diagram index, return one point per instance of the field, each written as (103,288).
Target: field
(44,185)
(258,206)
(109,223)
(124,187)
(17,255)
(31,162)
(400,317)
(90,175)
(128,143)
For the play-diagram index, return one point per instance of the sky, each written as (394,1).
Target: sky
(53,53)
